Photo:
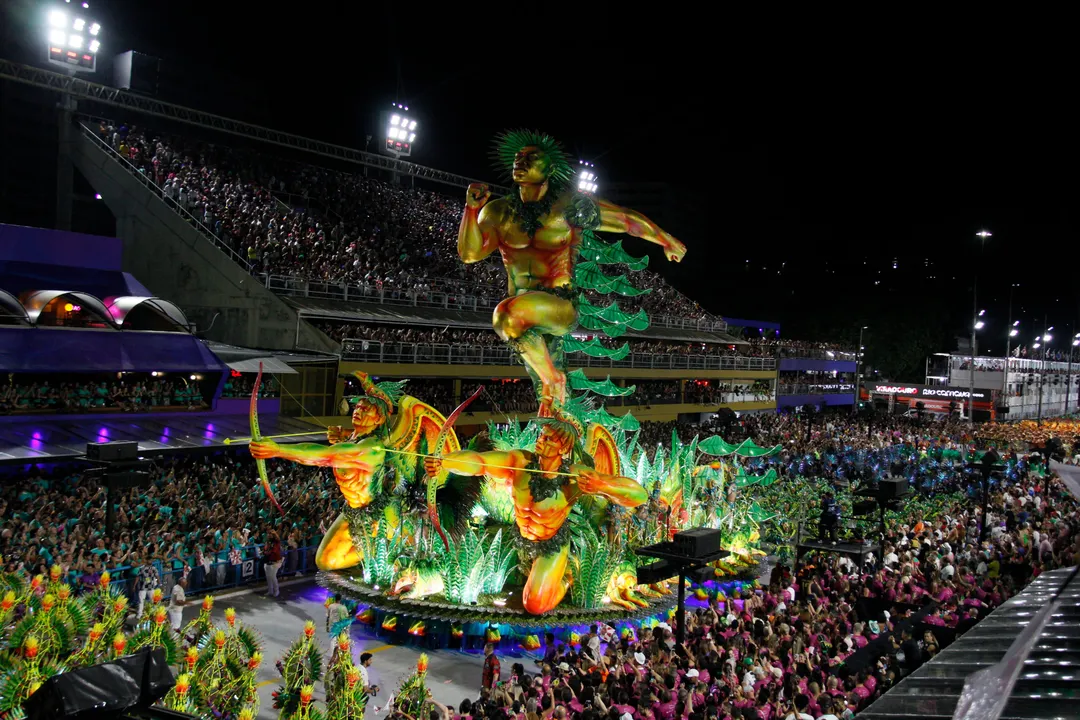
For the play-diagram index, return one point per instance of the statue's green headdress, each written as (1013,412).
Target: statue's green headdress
(387,393)
(507,144)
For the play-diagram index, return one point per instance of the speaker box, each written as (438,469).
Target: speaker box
(697,542)
(112,451)
(103,691)
(864,507)
(655,572)
(894,487)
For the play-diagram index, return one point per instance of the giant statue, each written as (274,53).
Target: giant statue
(538,229)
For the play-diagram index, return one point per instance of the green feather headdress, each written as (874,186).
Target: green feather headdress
(387,393)
(508,143)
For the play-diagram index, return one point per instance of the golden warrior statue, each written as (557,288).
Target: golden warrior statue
(538,230)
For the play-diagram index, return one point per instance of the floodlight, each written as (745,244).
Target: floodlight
(1036,346)
(75,41)
(57,19)
(395,119)
(1049,328)
(57,37)
(94,45)
(980,325)
(981,313)
(1014,332)
(1047,338)
(1016,323)
(984,234)
(79,25)
(586,177)
(412,136)
(95,29)
(412,125)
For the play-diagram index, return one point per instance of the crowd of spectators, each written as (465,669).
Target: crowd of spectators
(827,433)
(72,394)
(239,385)
(200,518)
(300,221)
(765,346)
(821,645)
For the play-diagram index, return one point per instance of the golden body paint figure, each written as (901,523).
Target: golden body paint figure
(539,519)
(538,235)
(382,420)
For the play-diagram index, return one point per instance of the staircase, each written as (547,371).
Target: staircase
(180,259)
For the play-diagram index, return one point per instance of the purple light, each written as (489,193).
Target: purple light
(210,426)
(103,431)
(36,444)
(37,435)
(166,431)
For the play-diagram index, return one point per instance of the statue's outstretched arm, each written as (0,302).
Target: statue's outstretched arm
(341,455)
(470,463)
(619,490)
(619,219)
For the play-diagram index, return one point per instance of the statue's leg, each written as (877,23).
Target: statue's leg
(523,321)
(546,585)
(336,551)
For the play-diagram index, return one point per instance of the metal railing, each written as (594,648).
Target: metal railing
(454,354)
(442,295)
(816,354)
(447,294)
(157,190)
(220,575)
(814,388)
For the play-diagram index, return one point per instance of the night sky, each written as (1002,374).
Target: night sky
(805,164)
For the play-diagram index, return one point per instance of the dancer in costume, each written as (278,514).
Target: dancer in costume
(538,230)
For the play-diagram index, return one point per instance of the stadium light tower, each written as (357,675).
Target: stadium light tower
(72,38)
(400,131)
(586,177)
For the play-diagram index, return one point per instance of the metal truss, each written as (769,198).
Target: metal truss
(83,90)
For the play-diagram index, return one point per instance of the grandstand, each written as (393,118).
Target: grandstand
(270,241)
(262,238)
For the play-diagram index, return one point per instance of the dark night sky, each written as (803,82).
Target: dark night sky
(821,153)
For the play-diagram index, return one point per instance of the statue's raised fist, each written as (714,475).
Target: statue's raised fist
(477,195)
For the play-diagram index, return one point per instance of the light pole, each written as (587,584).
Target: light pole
(858,370)
(1013,332)
(1068,370)
(1046,338)
(975,325)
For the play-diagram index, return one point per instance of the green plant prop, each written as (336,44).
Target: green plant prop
(473,565)
(412,695)
(301,667)
(593,562)
(345,696)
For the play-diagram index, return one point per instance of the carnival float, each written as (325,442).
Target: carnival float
(533,523)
